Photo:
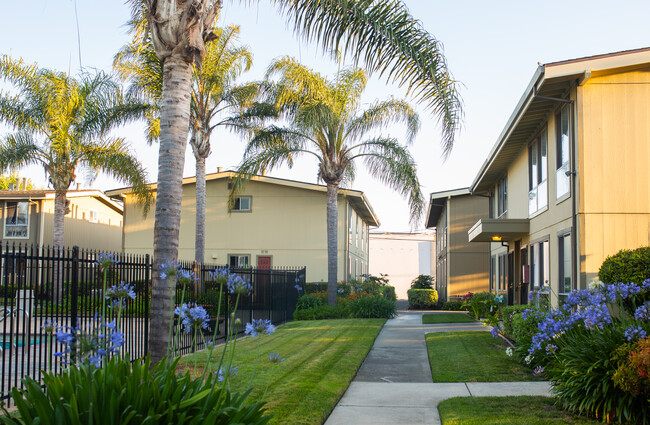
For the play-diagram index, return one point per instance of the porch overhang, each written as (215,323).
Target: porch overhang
(499,230)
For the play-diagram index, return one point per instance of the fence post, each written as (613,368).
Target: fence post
(147,277)
(74,287)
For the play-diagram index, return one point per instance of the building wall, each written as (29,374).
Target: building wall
(285,223)
(402,256)
(468,262)
(614,152)
(105,234)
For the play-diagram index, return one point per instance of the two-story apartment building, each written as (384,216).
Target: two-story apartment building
(568,176)
(275,222)
(92,221)
(461,266)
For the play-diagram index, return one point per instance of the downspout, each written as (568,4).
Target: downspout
(573,175)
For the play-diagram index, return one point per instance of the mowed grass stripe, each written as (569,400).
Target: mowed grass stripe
(321,358)
(473,356)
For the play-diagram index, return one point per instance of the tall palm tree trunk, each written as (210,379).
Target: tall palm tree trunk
(332,237)
(174,126)
(60,199)
(199,242)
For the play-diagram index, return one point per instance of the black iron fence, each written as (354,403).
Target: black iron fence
(42,287)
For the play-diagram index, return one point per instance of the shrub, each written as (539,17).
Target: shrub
(582,373)
(124,393)
(322,312)
(308,301)
(422,298)
(508,313)
(452,305)
(423,281)
(626,266)
(389,292)
(479,304)
(375,306)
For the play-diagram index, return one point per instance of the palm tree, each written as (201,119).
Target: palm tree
(381,33)
(326,122)
(63,124)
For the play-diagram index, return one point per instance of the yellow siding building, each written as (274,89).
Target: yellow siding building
(94,221)
(275,222)
(568,176)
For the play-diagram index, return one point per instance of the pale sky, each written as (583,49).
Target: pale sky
(492,48)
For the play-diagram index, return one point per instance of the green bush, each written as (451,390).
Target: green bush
(321,312)
(124,393)
(389,292)
(508,314)
(479,304)
(376,306)
(422,298)
(423,281)
(626,266)
(582,373)
(452,305)
(310,301)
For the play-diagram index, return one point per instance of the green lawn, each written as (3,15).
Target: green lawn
(428,319)
(321,358)
(506,411)
(472,356)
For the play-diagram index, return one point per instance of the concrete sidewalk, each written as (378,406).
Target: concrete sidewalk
(394,384)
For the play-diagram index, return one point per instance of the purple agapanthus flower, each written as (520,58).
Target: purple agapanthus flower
(635,332)
(234,370)
(118,294)
(275,358)
(105,261)
(495,331)
(643,312)
(259,326)
(193,317)
(239,285)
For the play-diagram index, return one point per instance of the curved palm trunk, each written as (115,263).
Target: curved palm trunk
(199,242)
(332,239)
(174,126)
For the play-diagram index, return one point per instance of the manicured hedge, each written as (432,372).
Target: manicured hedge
(422,298)
(626,266)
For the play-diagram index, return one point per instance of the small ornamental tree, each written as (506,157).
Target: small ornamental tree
(423,281)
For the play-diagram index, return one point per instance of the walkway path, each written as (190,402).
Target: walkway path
(394,384)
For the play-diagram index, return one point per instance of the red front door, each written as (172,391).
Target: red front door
(264,263)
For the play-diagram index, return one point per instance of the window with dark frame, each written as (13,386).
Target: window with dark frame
(564,258)
(502,197)
(239,261)
(538,174)
(563,143)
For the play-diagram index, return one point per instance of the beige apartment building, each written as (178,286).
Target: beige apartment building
(568,176)
(93,220)
(275,222)
(461,266)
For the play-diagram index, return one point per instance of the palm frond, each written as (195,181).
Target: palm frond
(382,114)
(112,156)
(390,41)
(19,150)
(297,85)
(392,164)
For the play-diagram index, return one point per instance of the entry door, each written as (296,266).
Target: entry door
(263,263)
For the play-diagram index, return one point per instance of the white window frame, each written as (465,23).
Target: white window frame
(93,216)
(564,264)
(539,253)
(238,204)
(562,154)
(8,226)
(538,176)
(502,196)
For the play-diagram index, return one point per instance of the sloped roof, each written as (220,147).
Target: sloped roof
(437,202)
(356,198)
(40,194)
(552,80)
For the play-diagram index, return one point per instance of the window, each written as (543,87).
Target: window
(537,174)
(17,220)
(493,273)
(356,233)
(562,153)
(503,271)
(242,203)
(349,225)
(93,217)
(564,257)
(491,202)
(502,198)
(539,258)
(239,261)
